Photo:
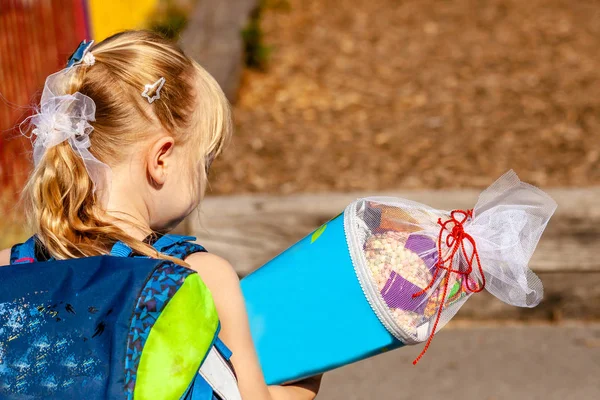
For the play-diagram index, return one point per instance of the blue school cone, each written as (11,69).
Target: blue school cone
(308,313)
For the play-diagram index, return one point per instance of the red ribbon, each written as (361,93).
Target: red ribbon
(455,241)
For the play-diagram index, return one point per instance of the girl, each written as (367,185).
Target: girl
(136,168)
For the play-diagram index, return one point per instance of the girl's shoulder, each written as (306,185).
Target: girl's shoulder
(215,271)
(4,257)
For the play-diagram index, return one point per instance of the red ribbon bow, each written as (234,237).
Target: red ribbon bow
(455,241)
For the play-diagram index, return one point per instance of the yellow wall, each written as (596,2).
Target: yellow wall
(111,16)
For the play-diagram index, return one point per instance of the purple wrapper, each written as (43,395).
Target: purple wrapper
(398,293)
(425,247)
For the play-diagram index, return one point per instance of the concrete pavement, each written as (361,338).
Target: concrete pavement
(480,363)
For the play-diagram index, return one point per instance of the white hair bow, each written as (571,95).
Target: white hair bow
(67,117)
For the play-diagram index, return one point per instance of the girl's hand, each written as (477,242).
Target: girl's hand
(306,389)
(224,285)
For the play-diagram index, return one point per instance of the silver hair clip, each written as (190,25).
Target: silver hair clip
(152,90)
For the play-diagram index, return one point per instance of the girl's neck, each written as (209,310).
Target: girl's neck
(132,218)
(131,228)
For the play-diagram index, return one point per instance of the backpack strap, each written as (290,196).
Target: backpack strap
(178,246)
(223,349)
(216,376)
(120,249)
(23,253)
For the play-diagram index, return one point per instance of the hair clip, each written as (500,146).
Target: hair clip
(82,54)
(152,90)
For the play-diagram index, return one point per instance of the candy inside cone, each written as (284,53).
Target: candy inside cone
(402,264)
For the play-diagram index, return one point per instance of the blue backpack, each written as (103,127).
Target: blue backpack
(122,326)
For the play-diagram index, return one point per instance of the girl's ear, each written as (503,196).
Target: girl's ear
(159,160)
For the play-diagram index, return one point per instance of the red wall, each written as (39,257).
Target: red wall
(36,39)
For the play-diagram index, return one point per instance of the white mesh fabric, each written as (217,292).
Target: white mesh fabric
(394,248)
(63,116)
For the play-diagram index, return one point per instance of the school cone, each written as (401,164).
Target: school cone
(389,272)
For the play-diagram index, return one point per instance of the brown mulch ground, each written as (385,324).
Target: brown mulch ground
(385,94)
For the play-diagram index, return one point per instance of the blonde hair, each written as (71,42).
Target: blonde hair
(59,200)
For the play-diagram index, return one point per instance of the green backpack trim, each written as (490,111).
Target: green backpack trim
(172,329)
(178,343)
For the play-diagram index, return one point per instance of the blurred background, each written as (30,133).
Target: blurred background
(364,95)
(430,99)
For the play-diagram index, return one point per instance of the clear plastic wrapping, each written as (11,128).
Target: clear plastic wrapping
(418,265)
